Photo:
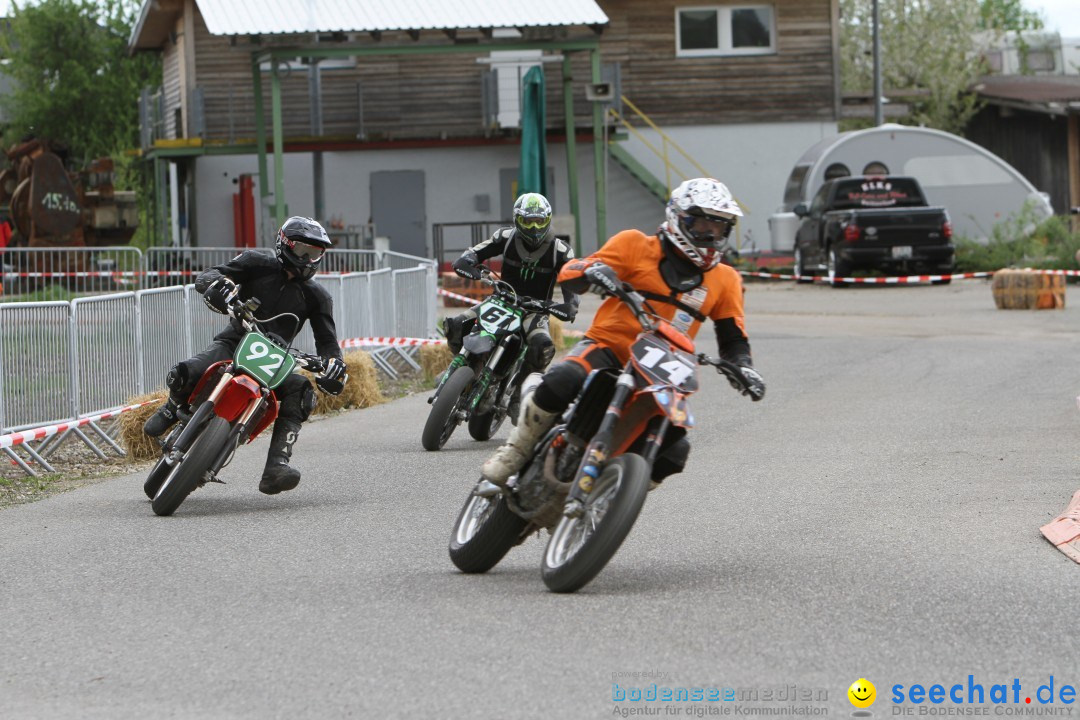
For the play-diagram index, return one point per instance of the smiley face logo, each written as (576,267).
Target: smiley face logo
(862,693)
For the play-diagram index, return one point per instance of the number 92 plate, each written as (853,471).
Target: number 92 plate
(263,359)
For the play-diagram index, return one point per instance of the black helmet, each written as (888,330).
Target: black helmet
(300,245)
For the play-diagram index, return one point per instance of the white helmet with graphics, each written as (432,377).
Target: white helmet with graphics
(700,217)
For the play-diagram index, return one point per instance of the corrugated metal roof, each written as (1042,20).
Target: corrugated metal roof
(1035,89)
(268,17)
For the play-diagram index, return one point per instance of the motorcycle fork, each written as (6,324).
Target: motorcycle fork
(200,417)
(592,461)
(458,361)
(658,428)
(486,376)
(236,434)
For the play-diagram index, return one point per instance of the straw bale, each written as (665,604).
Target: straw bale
(138,445)
(361,391)
(433,360)
(1028,290)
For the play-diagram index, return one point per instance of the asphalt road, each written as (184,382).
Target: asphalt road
(875,516)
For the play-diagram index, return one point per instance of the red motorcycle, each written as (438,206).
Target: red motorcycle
(232,403)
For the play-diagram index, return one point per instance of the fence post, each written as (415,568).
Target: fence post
(140,370)
(187,322)
(2,422)
(73,364)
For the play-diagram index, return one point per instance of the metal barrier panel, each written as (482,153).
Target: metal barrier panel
(165,334)
(349,261)
(203,323)
(381,303)
(105,351)
(168,266)
(410,302)
(79,270)
(35,364)
(401,261)
(354,300)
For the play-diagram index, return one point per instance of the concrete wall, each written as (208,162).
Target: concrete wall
(754,160)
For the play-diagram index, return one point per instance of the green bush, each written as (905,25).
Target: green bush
(1022,241)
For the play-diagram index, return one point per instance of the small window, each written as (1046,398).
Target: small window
(836,170)
(725,30)
(1039,60)
(875,168)
(994,60)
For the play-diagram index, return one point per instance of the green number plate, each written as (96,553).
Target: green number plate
(264,360)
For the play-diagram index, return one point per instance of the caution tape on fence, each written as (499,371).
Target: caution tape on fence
(455,296)
(102,274)
(18,438)
(390,342)
(897,280)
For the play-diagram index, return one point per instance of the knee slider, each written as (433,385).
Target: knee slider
(177,378)
(541,350)
(560,386)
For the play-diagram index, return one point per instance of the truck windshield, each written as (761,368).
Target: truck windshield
(877,193)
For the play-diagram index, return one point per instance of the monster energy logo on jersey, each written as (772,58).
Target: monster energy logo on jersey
(528,268)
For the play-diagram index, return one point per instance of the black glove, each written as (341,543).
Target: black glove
(333,378)
(219,294)
(564,311)
(754,385)
(465,266)
(603,277)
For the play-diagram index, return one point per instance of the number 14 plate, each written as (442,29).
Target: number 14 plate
(264,360)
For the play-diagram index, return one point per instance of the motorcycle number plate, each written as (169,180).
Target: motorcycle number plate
(263,359)
(496,317)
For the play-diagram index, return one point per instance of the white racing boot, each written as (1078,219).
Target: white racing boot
(508,459)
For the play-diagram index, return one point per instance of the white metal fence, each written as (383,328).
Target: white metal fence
(113,269)
(63,361)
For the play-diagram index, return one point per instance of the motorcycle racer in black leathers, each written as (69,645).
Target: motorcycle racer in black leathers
(283,284)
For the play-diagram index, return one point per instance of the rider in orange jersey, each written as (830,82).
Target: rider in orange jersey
(678,271)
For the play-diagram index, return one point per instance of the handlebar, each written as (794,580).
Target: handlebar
(505,289)
(244,312)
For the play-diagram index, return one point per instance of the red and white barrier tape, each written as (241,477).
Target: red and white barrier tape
(102,274)
(12,439)
(455,296)
(898,280)
(390,341)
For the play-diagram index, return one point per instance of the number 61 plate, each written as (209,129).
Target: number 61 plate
(264,360)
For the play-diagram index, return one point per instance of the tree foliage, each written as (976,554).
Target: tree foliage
(930,48)
(74,80)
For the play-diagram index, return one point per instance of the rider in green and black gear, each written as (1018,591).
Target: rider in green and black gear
(532,258)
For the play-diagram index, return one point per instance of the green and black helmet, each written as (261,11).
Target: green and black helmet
(532,218)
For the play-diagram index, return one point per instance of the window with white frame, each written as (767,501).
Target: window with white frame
(725,30)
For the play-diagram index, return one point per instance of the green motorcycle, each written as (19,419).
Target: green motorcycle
(481,380)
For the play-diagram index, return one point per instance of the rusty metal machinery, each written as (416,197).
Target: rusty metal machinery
(52,207)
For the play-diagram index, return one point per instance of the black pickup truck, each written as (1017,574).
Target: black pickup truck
(872,223)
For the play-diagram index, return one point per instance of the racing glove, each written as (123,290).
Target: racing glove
(754,384)
(603,277)
(465,266)
(219,294)
(566,312)
(333,378)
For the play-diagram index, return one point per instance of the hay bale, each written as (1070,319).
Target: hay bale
(361,391)
(137,444)
(433,360)
(555,328)
(1028,290)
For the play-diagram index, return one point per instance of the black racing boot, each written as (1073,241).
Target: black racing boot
(159,423)
(278,476)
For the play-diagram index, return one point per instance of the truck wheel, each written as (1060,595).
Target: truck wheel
(837,269)
(801,276)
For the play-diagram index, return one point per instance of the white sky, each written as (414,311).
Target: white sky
(1060,15)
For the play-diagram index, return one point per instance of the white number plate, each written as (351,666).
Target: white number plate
(901,251)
